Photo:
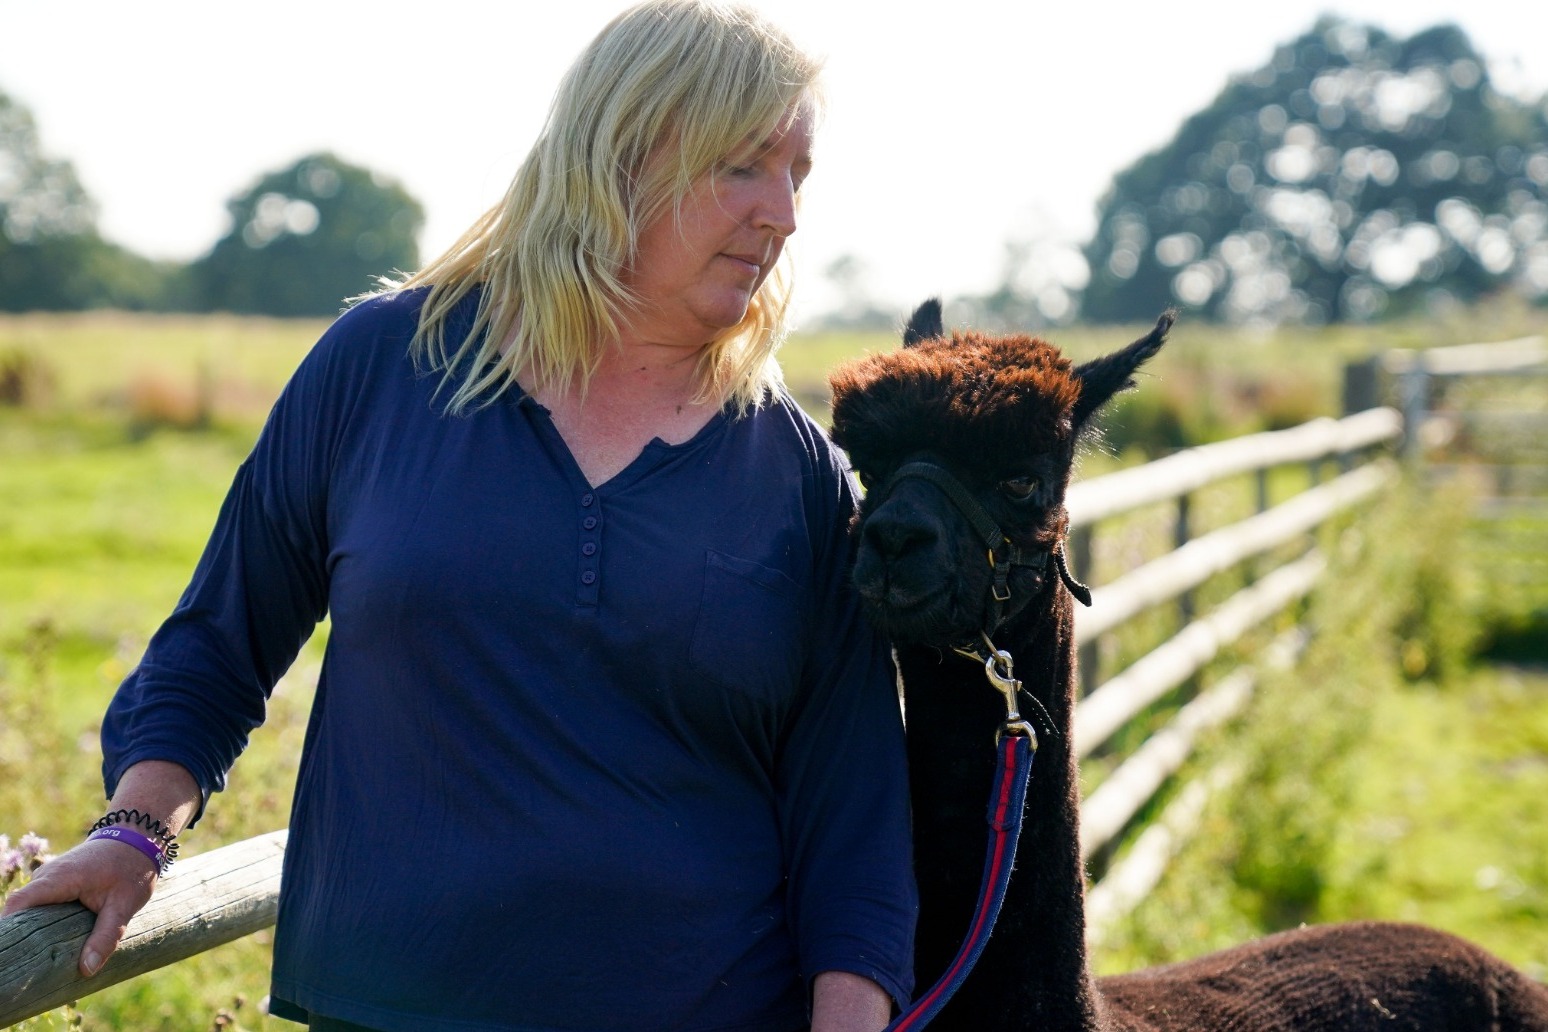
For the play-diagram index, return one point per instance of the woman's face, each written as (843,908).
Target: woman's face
(695,275)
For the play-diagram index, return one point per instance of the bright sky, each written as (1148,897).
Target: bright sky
(954,125)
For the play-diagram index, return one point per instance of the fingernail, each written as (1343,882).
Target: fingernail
(93,960)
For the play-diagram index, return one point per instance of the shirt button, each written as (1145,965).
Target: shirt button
(589,548)
(590,522)
(587,499)
(588,577)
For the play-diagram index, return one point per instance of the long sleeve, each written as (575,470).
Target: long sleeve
(259,590)
(844,789)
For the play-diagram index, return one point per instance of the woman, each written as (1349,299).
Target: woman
(599,741)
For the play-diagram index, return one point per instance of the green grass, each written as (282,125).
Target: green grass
(1441,818)
(105,360)
(1451,814)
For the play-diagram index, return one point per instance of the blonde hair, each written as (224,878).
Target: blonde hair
(662,96)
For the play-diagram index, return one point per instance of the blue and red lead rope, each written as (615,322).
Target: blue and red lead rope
(1012,770)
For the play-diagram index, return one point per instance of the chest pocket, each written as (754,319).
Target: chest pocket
(750,635)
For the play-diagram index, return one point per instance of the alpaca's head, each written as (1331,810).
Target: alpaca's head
(1001,414)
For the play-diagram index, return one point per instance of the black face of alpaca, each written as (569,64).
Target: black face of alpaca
(1003,416)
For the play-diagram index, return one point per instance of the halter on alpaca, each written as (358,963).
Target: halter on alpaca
(1004,554)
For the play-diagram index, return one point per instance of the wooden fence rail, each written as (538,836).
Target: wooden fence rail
(1413,379)
(1188,471)
(205,901)
(1121,697)
(1193,563)
(1116,700)
(1176,478)
(230,892)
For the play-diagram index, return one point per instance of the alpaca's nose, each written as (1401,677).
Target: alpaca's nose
(894,536)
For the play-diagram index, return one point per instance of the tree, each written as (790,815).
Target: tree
(51,255)
(305,238)
(46,220)
(1353,176)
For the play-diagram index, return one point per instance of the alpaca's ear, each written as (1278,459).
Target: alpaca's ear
(1101,378)
(924,324)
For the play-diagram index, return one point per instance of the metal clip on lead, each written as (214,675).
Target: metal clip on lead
(999,669)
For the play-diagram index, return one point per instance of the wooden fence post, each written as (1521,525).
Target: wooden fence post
(1181,535)
(1414,389)
(1362,385)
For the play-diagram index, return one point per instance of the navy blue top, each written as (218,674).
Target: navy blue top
(614,757)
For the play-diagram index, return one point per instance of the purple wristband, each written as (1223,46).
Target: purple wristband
(130,837)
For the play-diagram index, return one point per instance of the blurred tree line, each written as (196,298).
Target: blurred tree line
(1355,176)
(301,239)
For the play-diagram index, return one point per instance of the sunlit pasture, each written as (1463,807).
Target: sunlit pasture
(1397,794)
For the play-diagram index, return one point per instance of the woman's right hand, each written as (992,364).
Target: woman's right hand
(111,879)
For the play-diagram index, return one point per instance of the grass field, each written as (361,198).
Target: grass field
(1385,785)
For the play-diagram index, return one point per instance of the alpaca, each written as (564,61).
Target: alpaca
(1003,416)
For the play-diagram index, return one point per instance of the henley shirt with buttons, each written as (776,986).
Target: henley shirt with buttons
(612,757)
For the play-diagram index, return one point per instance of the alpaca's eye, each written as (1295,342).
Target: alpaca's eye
(1019,489)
